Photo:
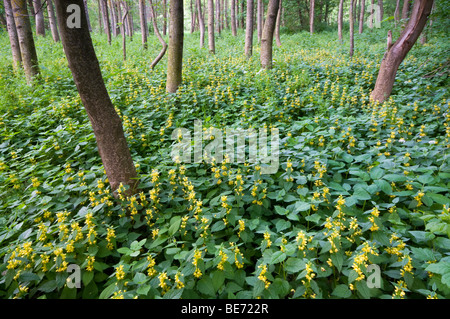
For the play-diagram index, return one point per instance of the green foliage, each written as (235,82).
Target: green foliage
(359,183)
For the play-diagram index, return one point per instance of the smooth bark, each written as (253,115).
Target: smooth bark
(277,25)
(233,18)
(249,29)
(340,19)
(52,21)
(201,23)
(267,36)
(398,51)
(158,35)
(39,16)
(143,23)
(13,37)
(175,54)
(211,40)
(107,125)
(361,16)
(26,41)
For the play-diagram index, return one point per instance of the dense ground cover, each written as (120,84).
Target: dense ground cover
(358,184)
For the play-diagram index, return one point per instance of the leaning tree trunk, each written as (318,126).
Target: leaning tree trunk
(13,38)
(211,41)
(175,54)
(201,23)
(405,9)
(26,41)
(398,51)
(106,124)
(267,36)
(158,35)
(249,30)
(52,21)
(340,19)
(87,15)
(38,9)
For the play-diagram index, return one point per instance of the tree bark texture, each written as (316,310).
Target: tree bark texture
(13,37)
(211,40)
(52,21)
(175,54)
(398,51)
(249,29)
(267,36)
(39,16)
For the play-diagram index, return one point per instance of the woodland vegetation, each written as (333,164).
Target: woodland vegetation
(92,91)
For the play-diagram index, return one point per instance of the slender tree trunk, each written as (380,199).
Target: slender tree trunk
(277,25)
(211,40)
(340,19)
(164,17)
(26,41)
(52,21)
(233,18)
(397,12)
(201,23)
(227,24)
(242,14)
(361,16)
(371,15)
(405,9)
(381,11)
(259,18)
(249,30)
(87,15)
(114,18)
(158,35)
(100,15)
(123,13)
(106,124)
(175,54)
(267,36)
(106,23)
(13,37)
(39,16)
(311,16)
(398,51)
(143,21)
(219,30)
(352,26)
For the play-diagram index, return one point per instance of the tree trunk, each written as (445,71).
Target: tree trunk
(143,22)
(13,37)
(259,18)
(397,12)
(233,18)
(340,19)
(164,31)
(352,26)
(100,30)
(361,16)
(123,16)
(87,15)
(129,20)
(106,23)
(311,16)
(211,41)
(242,14)
(52,21)
(219,30)
(405,9)
(395,55)
(106,124)
(158,35)
(267,36)
(277,25)
(381,11)
(201,23)
(39,14)
(175,54)
(249,30)
(26,41)
(114,24)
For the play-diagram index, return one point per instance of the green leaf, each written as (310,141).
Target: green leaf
(301,206)
(175,223)
(361,194)
(342,291)
(376,173)
(278,257)
(48,286)
(87,277)
(140,278)
(205,286)
(384,186)
(218,278)
(281,210)
(438,198)
(108,291)
(294,265)
(361,287)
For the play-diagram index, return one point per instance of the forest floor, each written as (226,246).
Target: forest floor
(358,208)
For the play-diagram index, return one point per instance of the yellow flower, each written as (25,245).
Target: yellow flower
(120,273)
